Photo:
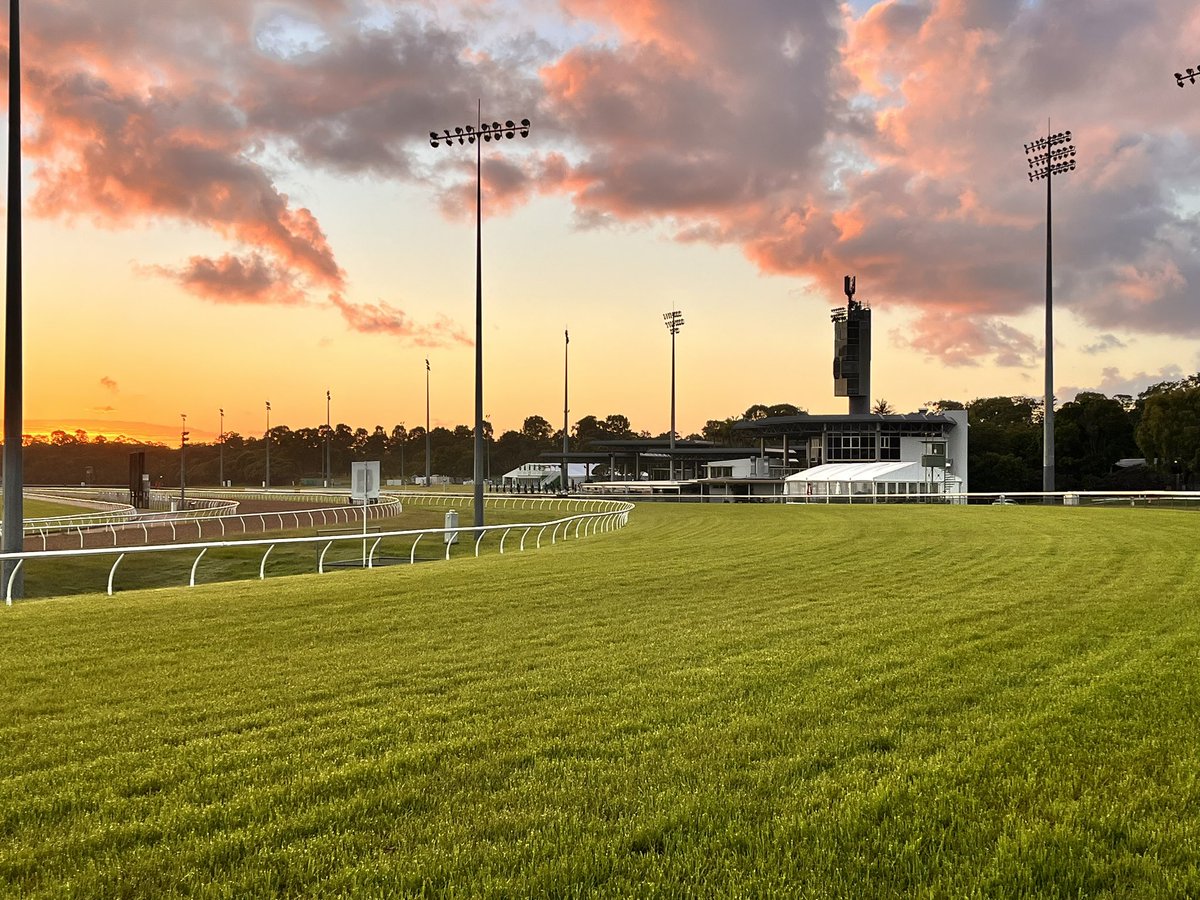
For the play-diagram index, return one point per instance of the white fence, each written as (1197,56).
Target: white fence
(599,516)
(216,509)
(1151,499)
(105,514)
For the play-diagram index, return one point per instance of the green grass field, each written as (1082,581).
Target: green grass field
(41,509)
(716,701)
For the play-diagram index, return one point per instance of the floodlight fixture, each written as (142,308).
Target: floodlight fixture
(477,134)
(1191,76)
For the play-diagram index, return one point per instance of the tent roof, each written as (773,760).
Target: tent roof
(864,471)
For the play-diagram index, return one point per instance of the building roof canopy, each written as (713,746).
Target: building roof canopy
(863,471)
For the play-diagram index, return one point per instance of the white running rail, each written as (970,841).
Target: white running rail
(214,509)
(601,516)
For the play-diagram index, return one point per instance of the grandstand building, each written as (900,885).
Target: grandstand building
(858,456)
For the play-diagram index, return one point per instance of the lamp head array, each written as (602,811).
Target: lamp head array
(468,134)
(1192,75)
(1056,169)
(1041,144)
(673,320)
(1053,155)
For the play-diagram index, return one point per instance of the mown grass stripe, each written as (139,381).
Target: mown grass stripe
(715,701)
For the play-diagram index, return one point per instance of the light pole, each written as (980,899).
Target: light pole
(183,438)
(490,432)
(221,451)
(1047,157)
(403,441)
(14,473)
(267,479)
(566,484)
(484,132)
(428,445)
(328,456)
(674,321)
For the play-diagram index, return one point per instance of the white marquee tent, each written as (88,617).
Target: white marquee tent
(868,482)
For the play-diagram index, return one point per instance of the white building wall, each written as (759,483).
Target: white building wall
(956,447)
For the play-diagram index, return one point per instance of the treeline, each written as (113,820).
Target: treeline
(1092,432)
(299,455)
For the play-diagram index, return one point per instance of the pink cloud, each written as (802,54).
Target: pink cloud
(383,318)
(233,279)
(817,142)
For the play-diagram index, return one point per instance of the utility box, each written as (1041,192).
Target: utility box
(452,522)
(1070,499)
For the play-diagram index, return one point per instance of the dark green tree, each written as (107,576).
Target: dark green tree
(1091,433)
(1169,431)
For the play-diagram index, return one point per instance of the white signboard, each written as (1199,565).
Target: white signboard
(364,481)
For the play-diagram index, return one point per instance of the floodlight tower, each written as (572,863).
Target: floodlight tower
(13,540)
(428,444)
(267,480)
(566,484)
(328,453)
(1047,157)
(468,134)
(221,450)
(183,441)
(674,321)
(403,467)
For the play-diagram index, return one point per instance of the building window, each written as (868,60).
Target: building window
(889,447)
(850,447)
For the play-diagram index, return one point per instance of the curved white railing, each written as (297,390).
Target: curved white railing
(605,516)
(997,498)
(216,520)
(105,513)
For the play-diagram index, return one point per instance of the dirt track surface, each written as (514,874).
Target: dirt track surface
(256,517)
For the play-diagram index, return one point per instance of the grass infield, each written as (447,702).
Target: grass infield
(42,509)
(716,701)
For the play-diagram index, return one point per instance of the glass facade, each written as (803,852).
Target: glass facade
(871,442)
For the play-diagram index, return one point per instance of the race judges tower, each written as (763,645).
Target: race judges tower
(852,352)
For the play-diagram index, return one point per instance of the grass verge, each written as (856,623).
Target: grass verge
(716,701)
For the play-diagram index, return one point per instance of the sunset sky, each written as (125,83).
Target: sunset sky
(233,201)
